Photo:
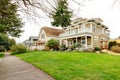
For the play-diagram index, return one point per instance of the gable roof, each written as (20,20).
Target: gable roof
(52,31)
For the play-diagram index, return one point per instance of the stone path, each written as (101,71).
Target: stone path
(12,68)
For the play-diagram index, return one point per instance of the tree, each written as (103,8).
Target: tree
(61,15)
(10,23)
(6,42)
(12,41)
(53,44)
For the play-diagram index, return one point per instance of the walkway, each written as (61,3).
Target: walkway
(12,68)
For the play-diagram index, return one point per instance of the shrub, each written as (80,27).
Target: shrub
(97,49)
(77,45)
(62,47)
(19,48)
(112,43)
(115,49)
(53,44)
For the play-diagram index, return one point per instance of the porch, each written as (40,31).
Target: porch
(40,45)
(85,41)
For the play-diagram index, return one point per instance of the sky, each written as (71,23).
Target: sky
(92,9)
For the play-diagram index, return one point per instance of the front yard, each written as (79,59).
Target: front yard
(75,65)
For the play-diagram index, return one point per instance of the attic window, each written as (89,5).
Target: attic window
(42,36)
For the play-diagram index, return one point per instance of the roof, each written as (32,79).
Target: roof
(80,20)
(33,38)
(52,31)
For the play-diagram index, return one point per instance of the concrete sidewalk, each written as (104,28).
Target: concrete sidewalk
(12,68)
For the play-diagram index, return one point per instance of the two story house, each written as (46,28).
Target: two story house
(90,33)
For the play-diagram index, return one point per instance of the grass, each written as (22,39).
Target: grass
(75,65)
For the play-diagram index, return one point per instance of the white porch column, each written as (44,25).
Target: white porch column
(91,27)
(60,42)
(85,42)
(66,43)
(91,41)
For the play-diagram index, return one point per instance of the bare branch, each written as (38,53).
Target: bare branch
(33,7)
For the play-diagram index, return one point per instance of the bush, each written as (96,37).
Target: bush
(97,49)
(115,49)
(19,48)
(77,45)
(112,43)
(62,47)
(53,44)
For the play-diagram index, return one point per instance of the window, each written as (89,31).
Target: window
(76,30)
(43,36)
(94,28)
(83,28)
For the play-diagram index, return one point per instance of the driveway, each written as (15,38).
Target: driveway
(12,68)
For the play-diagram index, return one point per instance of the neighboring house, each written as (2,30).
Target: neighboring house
(90,33)
(47,33)
(31,43)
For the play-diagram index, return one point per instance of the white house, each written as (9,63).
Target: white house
(47,33)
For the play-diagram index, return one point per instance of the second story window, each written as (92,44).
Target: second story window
(76,30)
(83,29)
(94,28)
(103,30)
(42,36)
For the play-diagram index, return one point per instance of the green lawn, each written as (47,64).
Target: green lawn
(75,65)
